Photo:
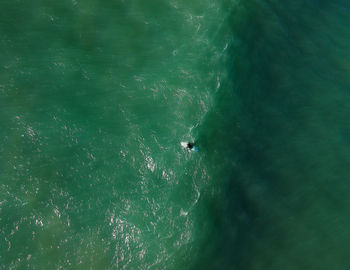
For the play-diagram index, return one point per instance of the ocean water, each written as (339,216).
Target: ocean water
(96,96)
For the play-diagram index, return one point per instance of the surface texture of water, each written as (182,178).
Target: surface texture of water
(95,97)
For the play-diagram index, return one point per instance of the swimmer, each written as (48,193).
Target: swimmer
(189,146)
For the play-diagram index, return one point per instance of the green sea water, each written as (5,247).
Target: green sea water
(96,96)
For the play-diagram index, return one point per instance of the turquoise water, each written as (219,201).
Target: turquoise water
(96,96)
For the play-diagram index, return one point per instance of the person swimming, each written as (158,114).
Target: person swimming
(189,146)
